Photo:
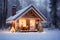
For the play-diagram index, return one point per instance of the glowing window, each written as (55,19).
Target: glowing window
(32,23)
(22,22)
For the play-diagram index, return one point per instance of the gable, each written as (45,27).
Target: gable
(31,14)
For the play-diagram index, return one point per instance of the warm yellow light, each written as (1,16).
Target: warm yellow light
(22,22)
(12,29)
(32,24)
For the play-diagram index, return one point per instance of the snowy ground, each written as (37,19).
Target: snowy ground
(46,35)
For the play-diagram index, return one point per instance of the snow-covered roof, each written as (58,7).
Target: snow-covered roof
(10,18)
(20,12)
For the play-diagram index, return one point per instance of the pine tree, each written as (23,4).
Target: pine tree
(53,12)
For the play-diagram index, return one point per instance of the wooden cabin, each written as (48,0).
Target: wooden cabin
(26,19)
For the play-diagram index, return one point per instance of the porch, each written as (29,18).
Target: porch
(25,25)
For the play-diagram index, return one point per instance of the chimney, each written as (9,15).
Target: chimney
(13,10)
